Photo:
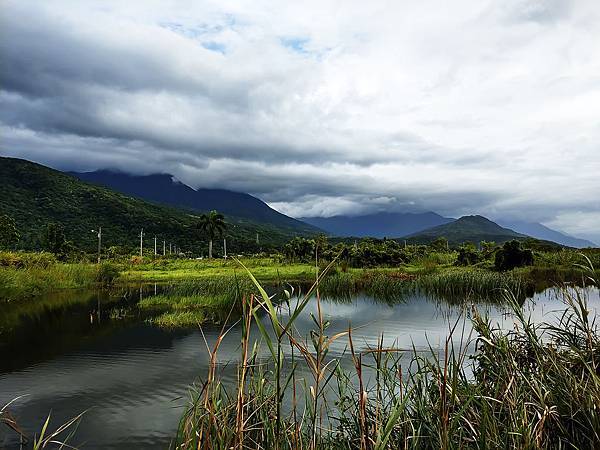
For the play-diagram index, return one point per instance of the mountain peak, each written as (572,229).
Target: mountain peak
(167,189)
(473,228)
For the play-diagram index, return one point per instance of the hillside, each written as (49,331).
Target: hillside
(467,229)
(539,231)
(380,225)
(35,195)
(163,188)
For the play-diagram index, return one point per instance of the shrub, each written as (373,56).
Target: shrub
(23,260)
(511,255)
(137,260)
(9,235)
(107,273)
(467,255)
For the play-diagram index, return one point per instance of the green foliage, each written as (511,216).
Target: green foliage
(511,256)
(467,284)
(212,224)
(532,387)
(9,236)
(300,249)
(54,241)
(567,257)
(25,260)
(365,253)
(35,195)
(107,273)
(440,244)
(30,280)
(467,255)
(186,311)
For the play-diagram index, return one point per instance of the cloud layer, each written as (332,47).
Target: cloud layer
(319,107)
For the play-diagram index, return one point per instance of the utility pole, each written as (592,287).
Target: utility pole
(99,242)
(257,243)
(225,247)
(141,242)
(155,252)
(164,248)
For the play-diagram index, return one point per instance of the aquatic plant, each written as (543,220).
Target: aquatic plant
(472,284)
(46,438)
(107,273)
(30,281)
(534,386)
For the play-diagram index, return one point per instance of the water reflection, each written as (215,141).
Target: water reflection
(135,378)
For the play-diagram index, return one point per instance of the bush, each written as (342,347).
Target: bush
(107,273)
(137,260)
(511,255)
(23,260)
(467,255)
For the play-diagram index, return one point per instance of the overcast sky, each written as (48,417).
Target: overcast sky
(319,107)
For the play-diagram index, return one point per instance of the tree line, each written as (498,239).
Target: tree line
(53,239)
(389,252)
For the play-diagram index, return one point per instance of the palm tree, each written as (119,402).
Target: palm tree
(212,224)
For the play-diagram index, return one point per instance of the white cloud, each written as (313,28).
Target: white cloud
(460,107)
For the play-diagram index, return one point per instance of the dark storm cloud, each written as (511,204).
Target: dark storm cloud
(374,107)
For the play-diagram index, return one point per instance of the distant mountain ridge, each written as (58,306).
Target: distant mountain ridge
(163,188)
(539,231)
(467,229)
(378,225)
(399,225)
(35,195)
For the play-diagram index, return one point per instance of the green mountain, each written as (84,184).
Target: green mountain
(35,195)
(467,229)
(165,189)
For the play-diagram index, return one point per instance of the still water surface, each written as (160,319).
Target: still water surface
(134,379)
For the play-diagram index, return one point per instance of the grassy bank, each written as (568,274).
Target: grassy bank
(17,284)
(209,290)
(26,275)
(192,302)
(534,386)
(173,270)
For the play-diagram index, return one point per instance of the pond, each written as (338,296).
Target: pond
(75,351)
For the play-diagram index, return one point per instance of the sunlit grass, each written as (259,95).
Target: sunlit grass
(19,283)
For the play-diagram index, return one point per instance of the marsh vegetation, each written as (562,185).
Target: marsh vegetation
(532,386)
(290,389)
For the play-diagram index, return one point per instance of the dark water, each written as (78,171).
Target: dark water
(90,351)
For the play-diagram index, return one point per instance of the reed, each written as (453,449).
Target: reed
(46,438)
(186,311)
(476,284)
(534,386)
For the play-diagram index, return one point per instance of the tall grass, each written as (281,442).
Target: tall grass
(451,284)
(46,438)
(186,311)
(197,301)
(229,286)
(473,284)
(382,285)
(19,283)
(535,386)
